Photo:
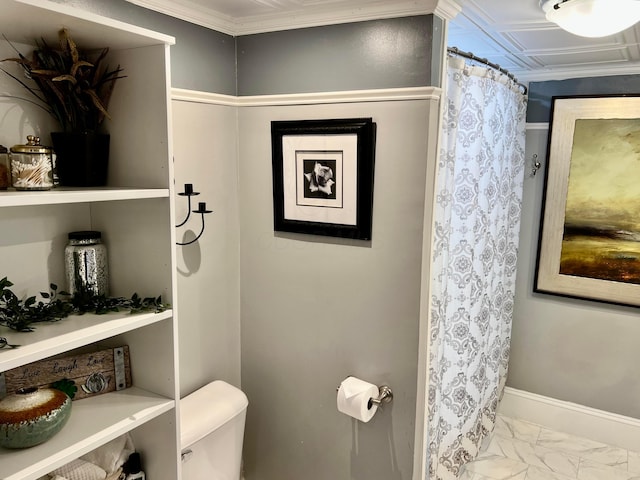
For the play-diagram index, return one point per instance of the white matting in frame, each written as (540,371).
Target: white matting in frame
(337,151)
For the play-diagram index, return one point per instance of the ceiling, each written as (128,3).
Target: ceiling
(513,34)
(516,35)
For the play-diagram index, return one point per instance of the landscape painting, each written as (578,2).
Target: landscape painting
(602,216)
(590,225)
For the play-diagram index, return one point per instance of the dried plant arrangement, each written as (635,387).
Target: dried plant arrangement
(72,85)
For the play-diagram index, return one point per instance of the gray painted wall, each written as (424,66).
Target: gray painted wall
(569,349)
(386,53)
(209,270)
(201,60)
(317,309)
(540,93)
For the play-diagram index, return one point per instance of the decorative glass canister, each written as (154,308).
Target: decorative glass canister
(85,259)
(31,165)
(5,169)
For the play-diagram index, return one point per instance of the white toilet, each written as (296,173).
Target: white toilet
(212,430)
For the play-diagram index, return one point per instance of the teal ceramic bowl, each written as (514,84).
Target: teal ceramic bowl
(32,416)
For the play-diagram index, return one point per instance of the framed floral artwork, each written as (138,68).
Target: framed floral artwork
(323,173)
(590,232)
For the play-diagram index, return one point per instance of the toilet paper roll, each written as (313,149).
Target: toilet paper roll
(354,398)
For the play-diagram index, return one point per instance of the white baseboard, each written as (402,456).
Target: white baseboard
(586,422)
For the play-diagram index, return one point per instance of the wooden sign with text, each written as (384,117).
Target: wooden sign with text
(93,373)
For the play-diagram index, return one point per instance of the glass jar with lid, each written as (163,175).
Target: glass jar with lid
(5,169)
(86,265)
(31,165)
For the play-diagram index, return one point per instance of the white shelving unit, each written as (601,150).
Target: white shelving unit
(136,218)
(12,198)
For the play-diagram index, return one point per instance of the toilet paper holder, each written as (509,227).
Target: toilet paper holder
(385,395)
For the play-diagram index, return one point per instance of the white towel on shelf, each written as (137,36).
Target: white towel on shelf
(79,469)
(115,475)
(112,455)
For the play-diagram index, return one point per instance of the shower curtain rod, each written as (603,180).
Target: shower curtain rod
(484,61)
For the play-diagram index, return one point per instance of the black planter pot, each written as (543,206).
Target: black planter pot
(81,158)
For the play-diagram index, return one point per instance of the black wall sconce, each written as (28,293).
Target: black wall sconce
(202,210)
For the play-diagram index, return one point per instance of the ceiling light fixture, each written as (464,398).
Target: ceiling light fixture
(592,18)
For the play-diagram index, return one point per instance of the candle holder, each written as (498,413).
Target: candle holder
(202,210)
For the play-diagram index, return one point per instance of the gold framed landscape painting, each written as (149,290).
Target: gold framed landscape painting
(590,228)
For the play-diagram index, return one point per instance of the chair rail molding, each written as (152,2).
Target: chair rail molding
(353,96)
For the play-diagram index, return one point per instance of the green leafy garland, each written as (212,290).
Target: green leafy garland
(20,315)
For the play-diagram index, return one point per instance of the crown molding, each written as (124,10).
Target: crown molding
(192,13)
(332,16)
(303,18)
(447,9)
(559,73)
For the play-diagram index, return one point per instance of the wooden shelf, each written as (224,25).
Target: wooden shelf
(49,339)
(93,422)
(61,195)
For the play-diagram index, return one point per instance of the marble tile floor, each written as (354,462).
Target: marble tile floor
(518,450)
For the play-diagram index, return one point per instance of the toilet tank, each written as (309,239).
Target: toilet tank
(211,432)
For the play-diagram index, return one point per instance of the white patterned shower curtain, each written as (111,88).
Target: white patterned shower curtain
(476,228)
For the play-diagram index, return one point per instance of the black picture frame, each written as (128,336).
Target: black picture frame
(323,175)
(587,246)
